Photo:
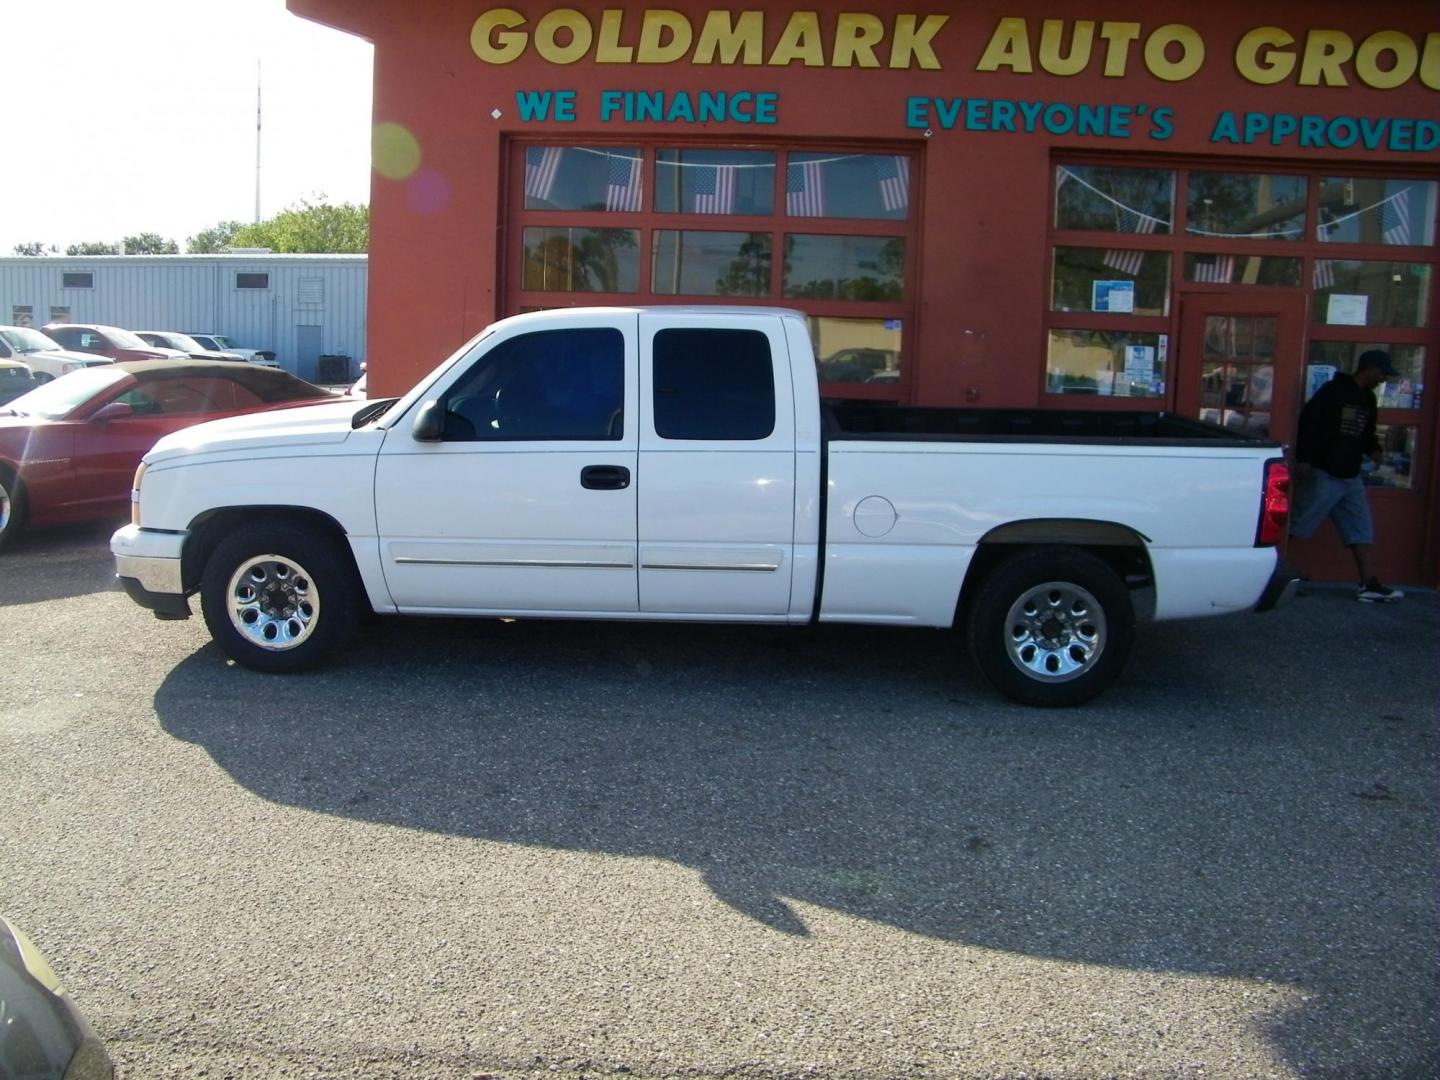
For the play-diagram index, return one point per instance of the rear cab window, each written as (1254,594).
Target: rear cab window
(713,384)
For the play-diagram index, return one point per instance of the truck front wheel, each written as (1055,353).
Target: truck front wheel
(278,597)
(1051,626)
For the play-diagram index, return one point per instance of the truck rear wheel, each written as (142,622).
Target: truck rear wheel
(1051,626)
(278,597)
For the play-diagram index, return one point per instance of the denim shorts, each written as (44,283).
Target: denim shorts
(1343,501)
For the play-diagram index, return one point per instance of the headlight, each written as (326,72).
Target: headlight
(65,369)
(135,494)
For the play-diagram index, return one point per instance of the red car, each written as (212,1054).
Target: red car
(69,448)
(109,341)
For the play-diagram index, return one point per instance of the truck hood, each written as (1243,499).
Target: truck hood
(68,357)
(259,433)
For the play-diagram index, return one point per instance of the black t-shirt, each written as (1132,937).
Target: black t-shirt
(1337,427)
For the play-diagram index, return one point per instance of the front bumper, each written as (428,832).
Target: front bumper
(147,563)
(1280,590)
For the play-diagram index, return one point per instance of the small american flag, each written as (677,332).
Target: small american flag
(541,165)
(623,188)
(1130,221)
(893,174)
(805,189)
(1324,273)
(715,189)
(1214,269)
(1395,218)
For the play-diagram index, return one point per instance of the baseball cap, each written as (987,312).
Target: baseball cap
(1378,359)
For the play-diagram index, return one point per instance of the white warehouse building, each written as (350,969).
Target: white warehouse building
(300,307)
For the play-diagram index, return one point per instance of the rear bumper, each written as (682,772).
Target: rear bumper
(1280,590)
(147,564)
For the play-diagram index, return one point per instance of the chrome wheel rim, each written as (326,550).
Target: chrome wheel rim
(1055,632)
(273,602)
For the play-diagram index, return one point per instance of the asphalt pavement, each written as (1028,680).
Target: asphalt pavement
(486,849)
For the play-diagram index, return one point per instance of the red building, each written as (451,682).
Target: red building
(1204,209)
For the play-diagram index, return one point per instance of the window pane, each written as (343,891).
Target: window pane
(1106,362)
(252,281)
(1402,392)
(1397,450)
(583,178)
(715,182)
(710,263)
(1114,281)
(1256,206)
(552,384)
(713,384)
(1208,269)
(845,267)
(1349,292)
(848,186)
(1370,210)
(1237,372)
(582,260)
(1114,200)
(856,350)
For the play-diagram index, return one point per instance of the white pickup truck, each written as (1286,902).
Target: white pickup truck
(670,463)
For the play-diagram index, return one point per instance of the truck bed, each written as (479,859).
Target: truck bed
(855,420)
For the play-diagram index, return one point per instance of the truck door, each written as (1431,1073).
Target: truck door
(527,502)
(717,465)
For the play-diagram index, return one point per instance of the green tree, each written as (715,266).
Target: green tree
(214,240)
(311,227)
(36,247)
(93,247)
(149,243)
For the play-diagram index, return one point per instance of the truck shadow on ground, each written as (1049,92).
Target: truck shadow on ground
(1207,816)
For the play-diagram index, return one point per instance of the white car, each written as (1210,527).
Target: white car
(220,343)
(43,354)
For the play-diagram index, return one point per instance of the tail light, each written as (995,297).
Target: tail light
(1274,504)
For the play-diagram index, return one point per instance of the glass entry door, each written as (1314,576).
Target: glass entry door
(1240,363)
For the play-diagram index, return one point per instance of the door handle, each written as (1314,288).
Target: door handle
(605,477)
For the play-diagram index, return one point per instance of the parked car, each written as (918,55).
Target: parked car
(108,341)
(15,379)
(68,449)
(43,355)
(221,343)
(674,463)
(170,339)
(42,1034)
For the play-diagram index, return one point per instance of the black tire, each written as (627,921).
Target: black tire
(1051,626)
(278,597)
(12,506)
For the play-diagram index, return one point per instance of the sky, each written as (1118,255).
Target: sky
(136,117)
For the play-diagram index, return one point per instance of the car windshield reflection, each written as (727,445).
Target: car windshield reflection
(64,395)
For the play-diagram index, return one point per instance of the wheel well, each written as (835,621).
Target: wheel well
(1118,546)
(207,530)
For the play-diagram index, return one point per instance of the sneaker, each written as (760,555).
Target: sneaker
(1372,592)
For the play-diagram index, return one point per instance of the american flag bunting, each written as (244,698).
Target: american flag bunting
(805,189)
(623,189)
(541,165)
(1131,221)
(893,175)
(715,189)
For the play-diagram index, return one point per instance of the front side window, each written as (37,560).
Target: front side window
(713,384)
(552,384)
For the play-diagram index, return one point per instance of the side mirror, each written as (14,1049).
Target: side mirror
(116,410)
(429,425)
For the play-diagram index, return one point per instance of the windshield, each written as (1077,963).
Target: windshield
(124,339)
(24,340)
(183,342)
(222,342)
(60,397)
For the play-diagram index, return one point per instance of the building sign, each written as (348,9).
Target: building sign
(1172,52)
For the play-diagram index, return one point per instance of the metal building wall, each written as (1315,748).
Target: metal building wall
(197,293)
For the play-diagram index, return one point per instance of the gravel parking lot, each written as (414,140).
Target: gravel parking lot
(485,849)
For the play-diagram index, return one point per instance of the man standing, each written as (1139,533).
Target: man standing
(1337,429)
